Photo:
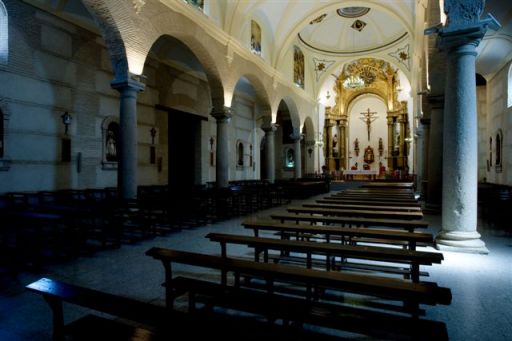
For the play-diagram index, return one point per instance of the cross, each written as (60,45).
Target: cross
(368,118)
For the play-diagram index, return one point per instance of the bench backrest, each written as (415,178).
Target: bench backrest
(367,252)
(419,237)
(428,293)
(398,223)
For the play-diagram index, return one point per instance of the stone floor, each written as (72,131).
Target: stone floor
(481,284)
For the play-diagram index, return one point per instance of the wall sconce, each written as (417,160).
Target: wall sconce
(66,120)
(310,151)
(328,95)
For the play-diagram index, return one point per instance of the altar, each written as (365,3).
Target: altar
(360,174)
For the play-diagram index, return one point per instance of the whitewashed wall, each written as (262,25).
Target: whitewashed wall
(499,116)
(358,129)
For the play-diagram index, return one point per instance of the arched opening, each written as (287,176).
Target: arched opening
(284,144)
(183,153)
(308,152)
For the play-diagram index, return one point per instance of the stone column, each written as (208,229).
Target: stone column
(222,117)
(435,153)
(127,148)
(460,165)
(269,141)
(296,137)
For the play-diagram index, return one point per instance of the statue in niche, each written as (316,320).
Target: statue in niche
(111,142)
(290,158)
(255,38)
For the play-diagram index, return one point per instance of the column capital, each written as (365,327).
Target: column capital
(129,83)
(222,115)
(270,128)
(296,135)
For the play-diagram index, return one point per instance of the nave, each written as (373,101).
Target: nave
(475,312)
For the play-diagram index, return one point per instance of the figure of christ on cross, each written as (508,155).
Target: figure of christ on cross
(368,118)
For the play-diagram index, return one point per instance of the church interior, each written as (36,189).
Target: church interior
(355,156)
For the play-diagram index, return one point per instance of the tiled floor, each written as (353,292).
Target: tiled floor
(481,284)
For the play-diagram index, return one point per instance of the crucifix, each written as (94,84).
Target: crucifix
(368,118)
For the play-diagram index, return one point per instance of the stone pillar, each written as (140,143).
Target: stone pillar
(460,165)
(269,141)
(391,141)
(435,153)
(222,117)
(296,137)
(127,151)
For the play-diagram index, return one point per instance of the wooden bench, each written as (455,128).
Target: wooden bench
(409,225)
(57,292)
(373,198)
(411,294)
(356,213)
(352,235)
(378,254)
(319,204)
(388,185)
(151,322)
(297,311)
(376,202)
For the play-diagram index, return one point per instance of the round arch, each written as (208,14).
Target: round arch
(292,108)
(261,93)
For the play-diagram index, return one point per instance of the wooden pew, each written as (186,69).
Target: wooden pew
(150,322)
(409,225)
(349,235)
(319,204)
(373,198)
(377,254)
(374,202)
(388,185)
(411,294)
(356,213)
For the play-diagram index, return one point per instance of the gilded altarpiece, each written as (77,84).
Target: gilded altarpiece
(366,76)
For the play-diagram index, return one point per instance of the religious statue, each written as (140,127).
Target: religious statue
(368,118)
(356,146)
(111,146)
(368,155)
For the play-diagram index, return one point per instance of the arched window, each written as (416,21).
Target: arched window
(255,38)
(298,67)
(499,151)
(509,101)
(4,35)
(240,153)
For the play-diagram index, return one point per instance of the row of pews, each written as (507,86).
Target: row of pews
(37,227)
(316,272)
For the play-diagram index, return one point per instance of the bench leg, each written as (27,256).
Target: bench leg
(58,318)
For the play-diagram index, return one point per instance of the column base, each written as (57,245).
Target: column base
(461,241)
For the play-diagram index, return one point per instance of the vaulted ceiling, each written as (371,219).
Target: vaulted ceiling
(285,21)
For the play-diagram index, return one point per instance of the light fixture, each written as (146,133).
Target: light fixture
(328,95)
(353,82)
(66,120)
